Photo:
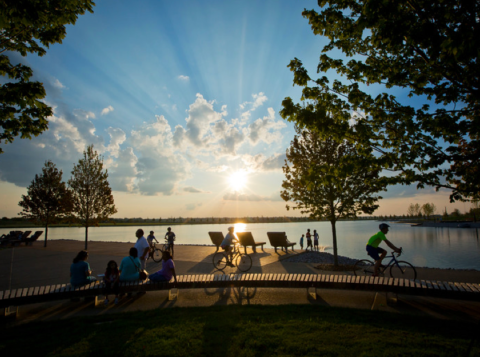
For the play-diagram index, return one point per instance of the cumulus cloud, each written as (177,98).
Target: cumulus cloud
(266,129)
(117,137)
(249,107)
(107,110)
(184,78)
(260,162)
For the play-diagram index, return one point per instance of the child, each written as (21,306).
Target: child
(315,240)
(309,240)
(111,279)
(301,241)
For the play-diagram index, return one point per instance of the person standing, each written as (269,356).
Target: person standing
(170,237)
(308,235)
(301,241)
(142,247)
(315,240)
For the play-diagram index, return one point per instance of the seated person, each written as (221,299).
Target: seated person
(80,273)
(130,267)
(167,271)
(226,245)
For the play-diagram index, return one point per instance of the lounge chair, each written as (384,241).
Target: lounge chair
(20,238)
(246,239)
(33,238)
(11,238)
(279,239)
(217,238)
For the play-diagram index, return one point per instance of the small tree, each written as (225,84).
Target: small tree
(92,195)
(413,209)
(48,199)
(329,179)
(428,209)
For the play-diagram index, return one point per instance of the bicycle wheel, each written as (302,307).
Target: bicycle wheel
(219,261)
(243,262)
(403,270)
(157,255)
(363,268)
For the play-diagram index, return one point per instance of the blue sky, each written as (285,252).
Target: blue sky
(177,97)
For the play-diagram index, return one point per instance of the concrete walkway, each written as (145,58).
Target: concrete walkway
(35,266)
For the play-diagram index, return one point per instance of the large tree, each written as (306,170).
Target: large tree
(48,199)
(29,26)
(92,196)
(329,179)
(425,49)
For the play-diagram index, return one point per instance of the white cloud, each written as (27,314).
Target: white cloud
(261,163)
(117,137)
(56,83)
(266,129)
(107,110)
(184,78)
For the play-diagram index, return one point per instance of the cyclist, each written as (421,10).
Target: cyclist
(170,237)
(227,245)
(150,240)
(378,253)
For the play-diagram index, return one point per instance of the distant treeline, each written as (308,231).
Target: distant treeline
(21,222)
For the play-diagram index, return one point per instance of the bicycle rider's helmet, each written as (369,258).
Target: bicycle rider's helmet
(383,225)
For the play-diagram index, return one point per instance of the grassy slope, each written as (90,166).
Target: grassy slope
(292,330)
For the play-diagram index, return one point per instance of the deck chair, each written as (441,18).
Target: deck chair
(14,238)
(217,238)
(279,239)
(246,239)
(30,240)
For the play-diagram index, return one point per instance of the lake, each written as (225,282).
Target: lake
(457,248)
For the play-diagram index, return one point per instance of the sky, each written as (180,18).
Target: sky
(182,100)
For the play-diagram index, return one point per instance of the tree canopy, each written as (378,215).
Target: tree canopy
(92,196)
(48,199)
(29,26)
(329,179)
(425,49)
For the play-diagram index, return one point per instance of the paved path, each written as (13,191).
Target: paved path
(35,266)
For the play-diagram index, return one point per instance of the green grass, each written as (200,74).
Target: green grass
(288,330)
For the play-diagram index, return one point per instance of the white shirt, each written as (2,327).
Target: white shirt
(141,245)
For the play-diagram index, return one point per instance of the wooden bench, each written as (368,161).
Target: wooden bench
(246,239)
(279,239)
(430,288)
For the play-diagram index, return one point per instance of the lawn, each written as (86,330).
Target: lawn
(288,330)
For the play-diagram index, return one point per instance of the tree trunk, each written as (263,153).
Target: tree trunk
(334,235)
(86,237)
(46,235)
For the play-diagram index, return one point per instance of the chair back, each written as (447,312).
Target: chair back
(277,238)
(216,237)
(245,238)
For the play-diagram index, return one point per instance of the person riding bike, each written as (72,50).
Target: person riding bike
(226,245)
(378,253)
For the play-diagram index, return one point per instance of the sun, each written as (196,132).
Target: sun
(238,180)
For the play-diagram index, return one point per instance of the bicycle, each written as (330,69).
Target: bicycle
(242,261)
(398,268)
(158,249)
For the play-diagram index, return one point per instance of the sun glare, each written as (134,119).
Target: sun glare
(238,180)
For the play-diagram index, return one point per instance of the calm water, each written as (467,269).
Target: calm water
(423,246)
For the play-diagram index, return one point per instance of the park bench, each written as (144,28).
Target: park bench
(429,288)
(279,239)
(246,240)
